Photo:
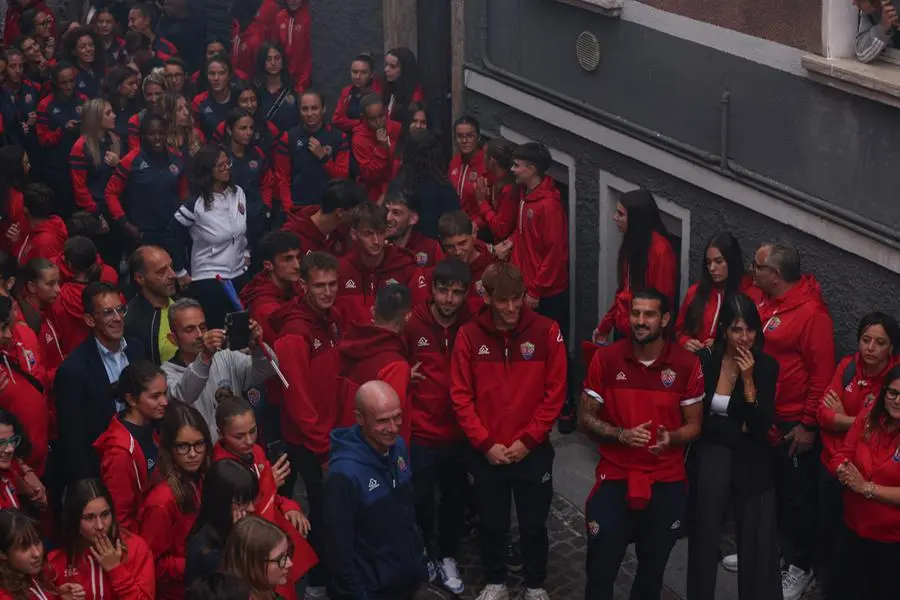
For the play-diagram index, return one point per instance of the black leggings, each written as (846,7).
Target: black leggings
(211,296)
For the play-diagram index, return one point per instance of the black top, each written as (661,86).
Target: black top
(143,435)
(750,449)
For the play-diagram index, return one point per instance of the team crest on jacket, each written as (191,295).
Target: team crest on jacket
(667,377)
(241,207)
(870,398)
(527,349)
(529,213)
(253,164)
(479,288)
(773,324)
(421,258)
(897,454)
(173,169)
(29,358)
(593,528)
(473,176)
(401,464)
(289,99)
(335,331)
(253,396)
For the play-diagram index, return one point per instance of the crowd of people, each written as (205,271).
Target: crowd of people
(215,288)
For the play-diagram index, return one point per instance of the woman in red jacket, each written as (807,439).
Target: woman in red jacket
(467,165)
(401,83)
(109,562)
(18,482)
(24,572)
(238,435)
(497,194)
(128,448)
(646,260)
(722,275)
(170,509)
(14,168)
(347,111)
(868,467)
(293,26)
(260,553)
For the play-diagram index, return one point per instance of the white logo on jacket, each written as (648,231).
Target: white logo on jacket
(316,344)
(350,285)
(483,351)
(423,342)
(373,484)
(621,376)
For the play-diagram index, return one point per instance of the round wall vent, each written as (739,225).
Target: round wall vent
(587,48)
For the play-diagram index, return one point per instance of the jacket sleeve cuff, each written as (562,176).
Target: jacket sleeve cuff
(181,273)
(529,441)
(809,422)
(486,445)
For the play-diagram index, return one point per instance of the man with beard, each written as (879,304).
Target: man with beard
(437,444)
(642,402)
(147,319)
(402,217)
(457,233)
(508,384)
(279,281)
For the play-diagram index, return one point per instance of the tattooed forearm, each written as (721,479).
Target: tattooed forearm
(591,424)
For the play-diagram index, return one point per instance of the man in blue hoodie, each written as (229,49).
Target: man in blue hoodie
(374,549)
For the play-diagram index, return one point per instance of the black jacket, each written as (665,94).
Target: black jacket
(750,449)
(84,406)
(203,554)
(142,324)
(435,199)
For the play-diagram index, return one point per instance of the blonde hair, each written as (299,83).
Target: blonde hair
(247,552)
(168,107)
(92,130)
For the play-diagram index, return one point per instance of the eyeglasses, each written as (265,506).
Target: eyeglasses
(754,266)
(108,313)
(282,559)
(12,442)
(224,166)
(891,393)
(183,448)
(174,75)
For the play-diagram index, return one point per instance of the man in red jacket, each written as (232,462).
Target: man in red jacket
(438,445)
(800,336)
(508,384)
(457,234)
(323,228)
(277,283)
(377,350)
(48,232)
(374,140)
(373,263)
(402,217)
(643,402)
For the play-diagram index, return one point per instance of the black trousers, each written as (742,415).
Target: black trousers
(531,483)
(831,522)
(612,525)
(715,488)
(304,464)
(867,568)
(557,308)
(211,296)
(444,469)
(796,483)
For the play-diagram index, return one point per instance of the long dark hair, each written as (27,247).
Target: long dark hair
(403,88)
(887,322)
(235,115)
(404,130)
(56,71)
(728,245)
(227,482)
(643,220)
(179,415)
(501,150)
(423,160)
(739,306)
(23,450)
(81,255)
(78,495)
(878,418)
(20,531)
(204,167)
(285,75)
(118,75)
(71,44)
(135,380)
(12,175)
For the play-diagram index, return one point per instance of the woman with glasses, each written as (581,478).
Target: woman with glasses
(868,466)
(153,88)
(128,449)
(212,105)
(467,165)
(261,554)
(18,481)
(171,506)
(175,73)
(214,227)
(40,24)
(96,552)
(278,102)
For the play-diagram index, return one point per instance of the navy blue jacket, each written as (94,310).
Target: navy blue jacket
(288,114)
(373,547)
(250,172)
(208,113)
(87,82)
(16,106)
(301,172)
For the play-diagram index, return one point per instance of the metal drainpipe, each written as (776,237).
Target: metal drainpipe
(723,129)
(717,163)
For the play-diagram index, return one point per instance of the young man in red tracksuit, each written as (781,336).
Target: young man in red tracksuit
(373,263)
(278,282)
(48,232)
(402,216)
(377,350)
(457,234)
(643,401)
(508,384)
(293,26)
(324,228)
(309,329)
(800,336)
(373,144)
(438,447)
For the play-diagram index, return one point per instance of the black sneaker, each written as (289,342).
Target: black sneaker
(568,420)
(513,558)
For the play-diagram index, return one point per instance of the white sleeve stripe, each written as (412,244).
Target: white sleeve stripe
(690,401)
(184,217)
(592,394)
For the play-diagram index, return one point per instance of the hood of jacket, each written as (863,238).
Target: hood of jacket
(262,288)
(485,320)
(107,273)
(807,290)
(298,317)
(299,221)
(365,340)
(395,259)
(54,226)
(116,436)
(423,313)
(546,190)
(349,445)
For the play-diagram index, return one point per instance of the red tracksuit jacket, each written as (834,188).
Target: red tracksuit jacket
(370,352)
(426,250)
(262,297)
(376,163)
(392,109)
(24,396)
(36,591)
(661,274)
(476,289)
(68,310)
(541,241)
(123,469)
(9,495)
(464,176)
(245,44)
(432,418)
(294,31)
(500,214)
(800,336)
(706,330)
(877,456)
(347,111)
(508,386)
(45,240)
(133,579)
(357,284)
(313,240)
(857,398)
(165,529)
(633,394)
(15,215)
(310,409)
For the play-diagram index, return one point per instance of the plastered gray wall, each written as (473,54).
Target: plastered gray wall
(852,286)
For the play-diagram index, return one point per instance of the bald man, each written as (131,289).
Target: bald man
(374,549)
(147,319)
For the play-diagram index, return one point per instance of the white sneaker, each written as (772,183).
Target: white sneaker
(794,582)
(730,563)
(536,594)
(315,593)
(450,575)
(494,591)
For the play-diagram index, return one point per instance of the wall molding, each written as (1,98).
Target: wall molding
(742,195)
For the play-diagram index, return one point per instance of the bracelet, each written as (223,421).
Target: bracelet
(869,491)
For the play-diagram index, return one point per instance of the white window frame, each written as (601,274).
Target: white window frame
(568,164)
(610,238)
